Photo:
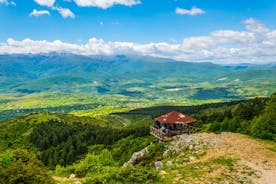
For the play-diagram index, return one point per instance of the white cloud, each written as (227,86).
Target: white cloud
(64,12)
(198,42)
(45,2)
(37,13)
(193,11)
(67,13)
(104,4)
(13,3)
(234,37)
(222,46)
(255,26)
(4,1)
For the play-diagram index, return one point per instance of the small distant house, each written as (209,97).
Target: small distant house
(172,124)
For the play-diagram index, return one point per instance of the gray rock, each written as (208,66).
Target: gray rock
(192,158)
(163,172)
(158,165)
(169,163)
(136,156)
(194,142)
(72,176)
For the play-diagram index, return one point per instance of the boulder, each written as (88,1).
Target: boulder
(158,165)
(163,172)
(192,158)
(72,176)
(169,163)
(135,156)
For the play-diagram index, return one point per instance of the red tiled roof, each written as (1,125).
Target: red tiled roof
(175,117)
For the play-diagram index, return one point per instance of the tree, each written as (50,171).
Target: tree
(265,125)
(24,169)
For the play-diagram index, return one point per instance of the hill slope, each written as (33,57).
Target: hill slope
(67,83)
(125,75)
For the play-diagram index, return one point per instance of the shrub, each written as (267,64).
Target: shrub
(24,168)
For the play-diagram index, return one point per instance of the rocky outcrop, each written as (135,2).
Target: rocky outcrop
(194,143)
(136,156)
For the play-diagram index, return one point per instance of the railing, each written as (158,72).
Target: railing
(186,130)
(170,133)
(158,133)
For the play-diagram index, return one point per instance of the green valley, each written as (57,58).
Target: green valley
(77,119)
(67,83)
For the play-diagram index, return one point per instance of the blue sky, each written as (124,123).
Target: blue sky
(131,21)
(150,21)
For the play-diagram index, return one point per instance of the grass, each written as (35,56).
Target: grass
(272,148)
(213,170)
(100,111)
(269,144)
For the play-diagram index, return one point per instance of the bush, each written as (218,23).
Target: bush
(265,125)
(24,168)
(123,175)
(123,149)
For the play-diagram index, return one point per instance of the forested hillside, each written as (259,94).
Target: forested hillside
(256,118)
(97,148)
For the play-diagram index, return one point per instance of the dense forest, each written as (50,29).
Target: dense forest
(256,118)
(61,143)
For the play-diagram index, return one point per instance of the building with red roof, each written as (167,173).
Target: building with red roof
(175,117)
(172,124)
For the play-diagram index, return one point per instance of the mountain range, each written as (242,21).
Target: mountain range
(126,75)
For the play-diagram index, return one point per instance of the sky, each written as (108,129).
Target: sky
(219,31)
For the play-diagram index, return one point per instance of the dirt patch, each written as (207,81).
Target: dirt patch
(249,152)
(253,161)
(254,154)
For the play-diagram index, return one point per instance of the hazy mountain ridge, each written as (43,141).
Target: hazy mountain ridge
(27,73)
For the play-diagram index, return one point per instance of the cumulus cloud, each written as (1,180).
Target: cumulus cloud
(255,44)
(45,2)
(104,4)
(37,13)
(67,13)
(255,26)
(64,12)
(13,3)
(193,11)
(6,2)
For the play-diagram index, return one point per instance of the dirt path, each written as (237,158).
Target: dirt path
(253,154)
(250,152)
